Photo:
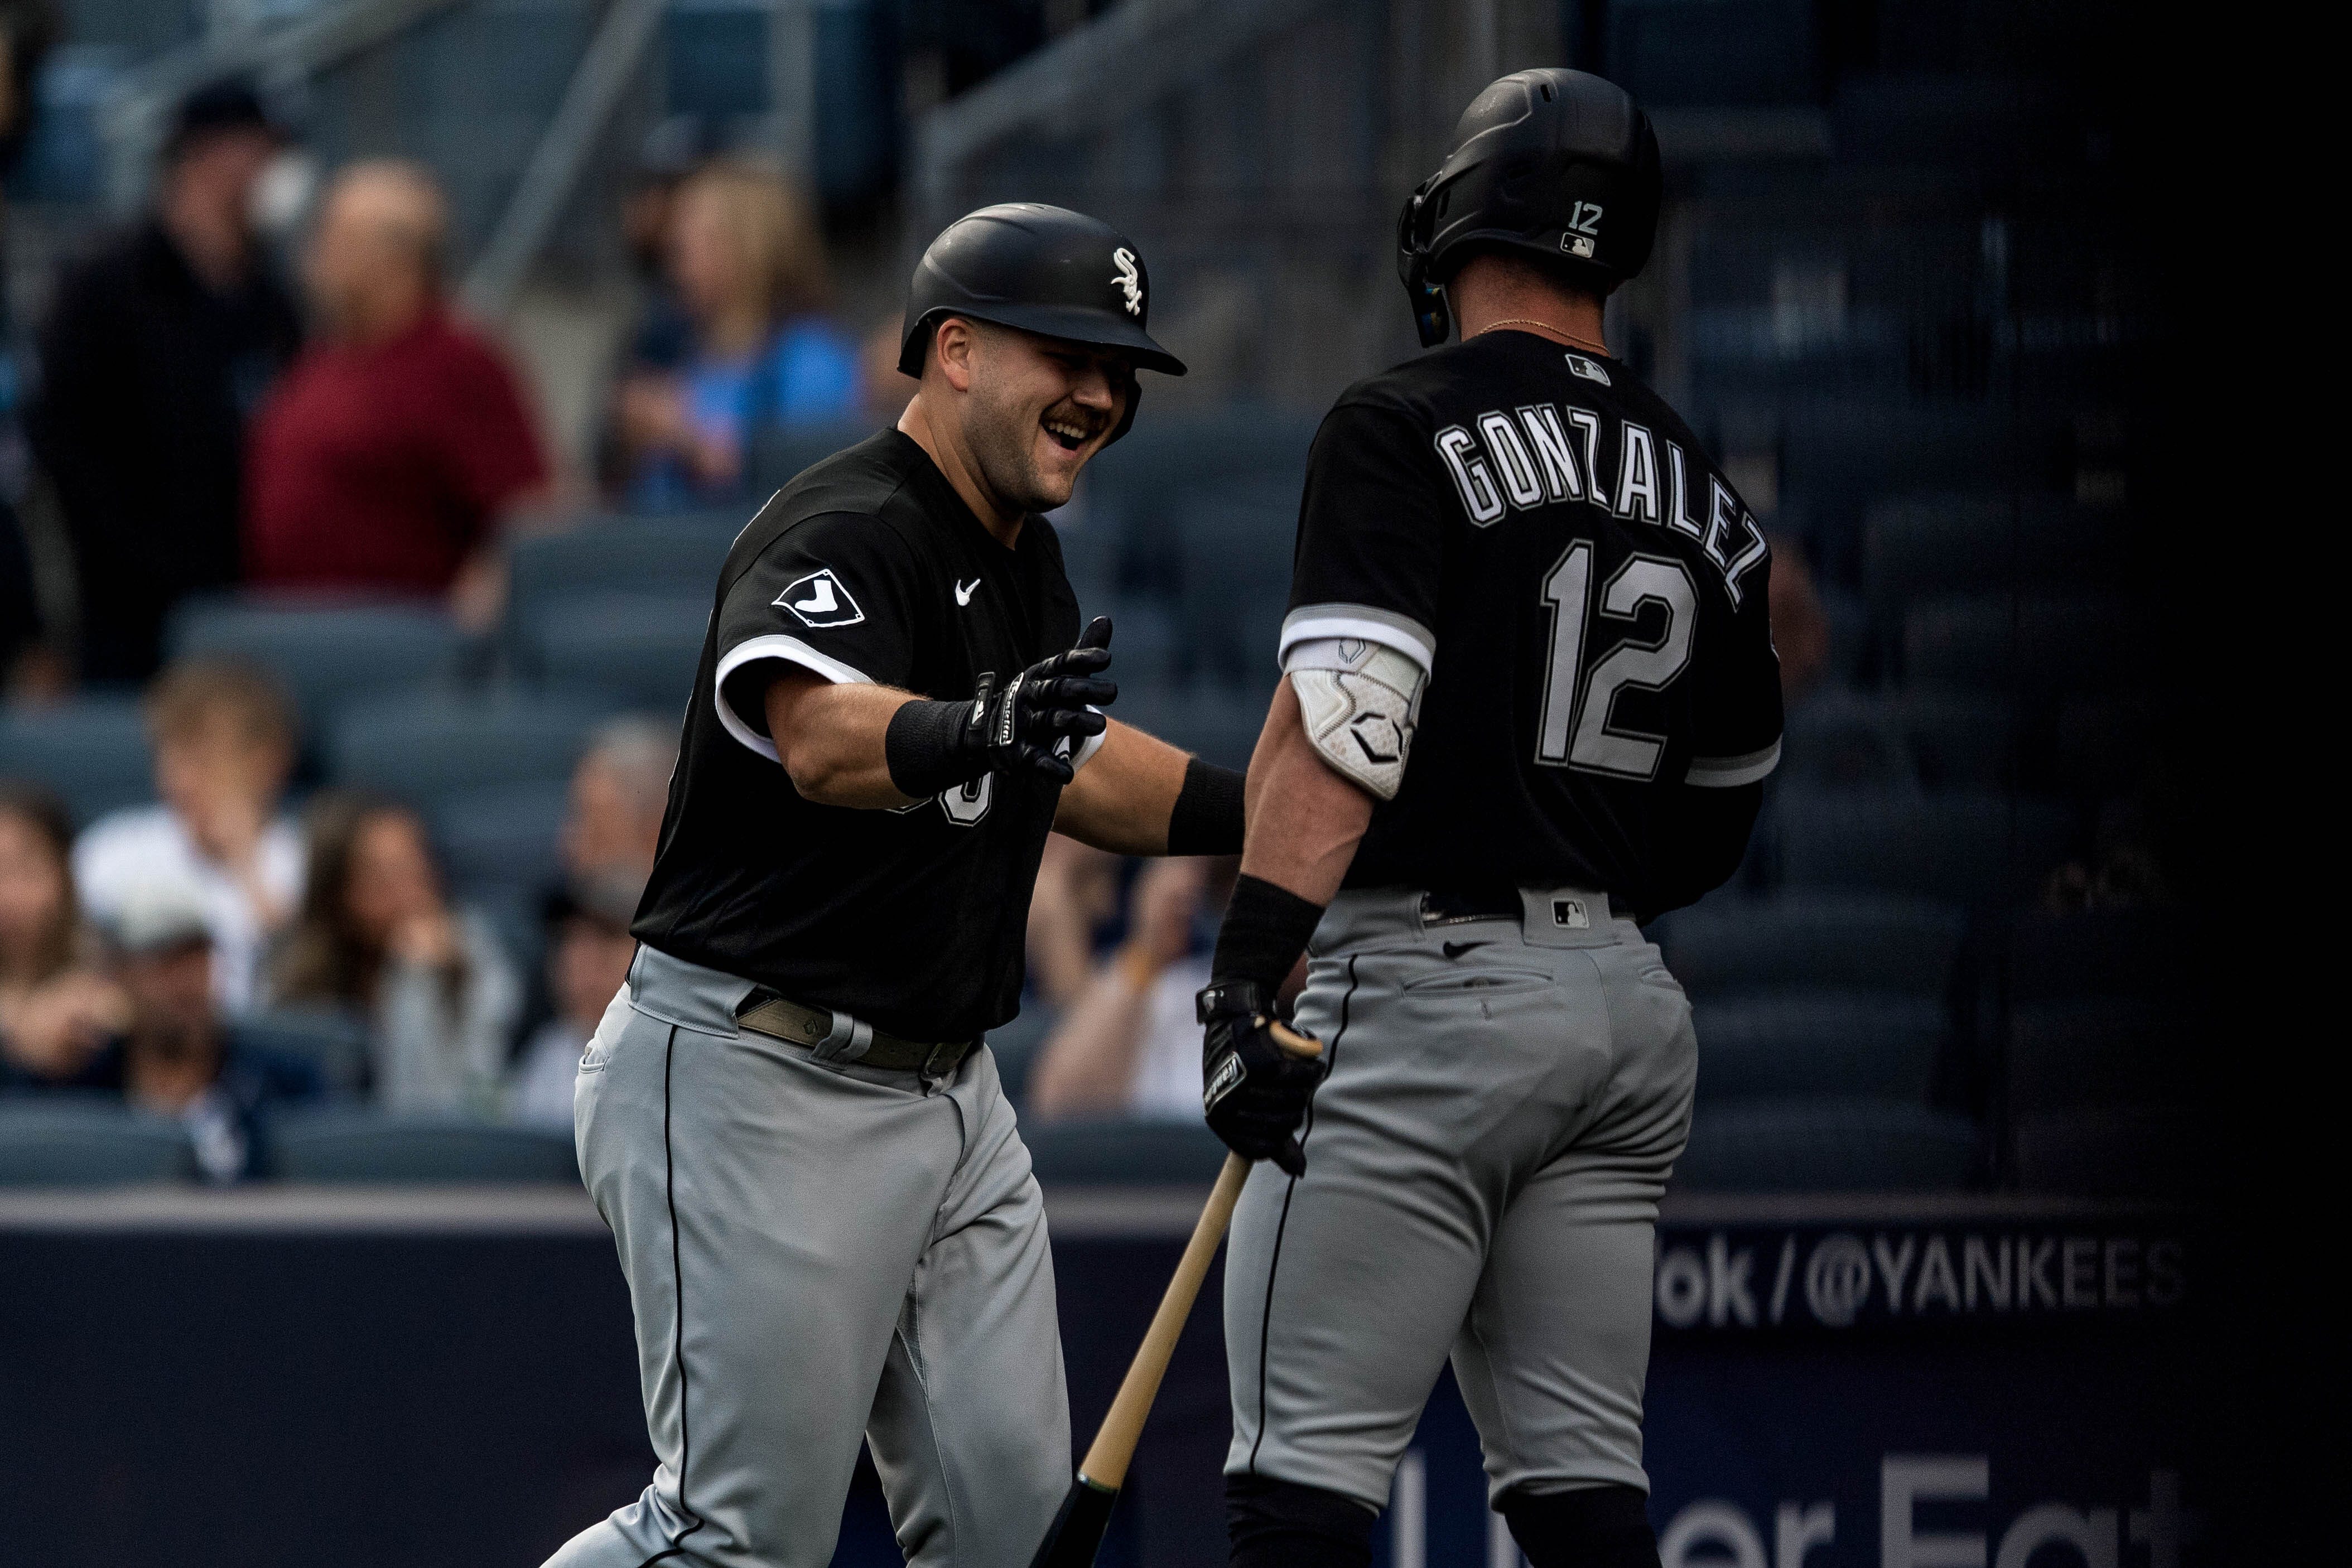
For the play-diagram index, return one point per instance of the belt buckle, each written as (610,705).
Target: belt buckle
(931,1068)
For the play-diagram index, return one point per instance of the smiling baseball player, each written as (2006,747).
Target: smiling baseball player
(1530,700)
(823,1205)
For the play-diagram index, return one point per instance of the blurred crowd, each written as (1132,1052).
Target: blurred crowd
(260,385)
(167,954)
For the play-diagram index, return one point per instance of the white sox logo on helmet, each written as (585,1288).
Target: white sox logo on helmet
(1128,279)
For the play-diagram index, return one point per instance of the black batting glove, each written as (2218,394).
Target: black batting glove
(1021,726)
(931,747)
(1257,1075)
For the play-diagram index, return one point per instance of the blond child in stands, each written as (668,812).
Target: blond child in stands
(224,739)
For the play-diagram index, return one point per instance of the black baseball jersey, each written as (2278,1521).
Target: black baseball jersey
(868,567)
(1588,594)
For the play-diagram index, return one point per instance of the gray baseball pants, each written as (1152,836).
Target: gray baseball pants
(1483,1164)
(814,1250)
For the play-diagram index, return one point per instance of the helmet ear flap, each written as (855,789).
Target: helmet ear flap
(1134,397)
(1431,318)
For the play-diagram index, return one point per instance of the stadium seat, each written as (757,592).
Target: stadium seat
(642,648)
(676,557)
(2027,641)
(2097,953)
(1976,848)
(1145,642)
(1838,454)
(1122,1152)
(1090,550)
(2106,1051)
(1673,52)
(1932,739)
(324,652)
(1953,117)
(1944,542)
(776,456)
(2130,1151)
(332,1043)
(1220,726)
(2104,744)
(1842,740)
(424,746)
(1816,1144)
(1235,544)
(503,835)
(92,752)
(1155,468)
(1834,1043)
(1885,943)
(363,1146)
(1852,636)
(516,913)
(1959,738)
(60,1142)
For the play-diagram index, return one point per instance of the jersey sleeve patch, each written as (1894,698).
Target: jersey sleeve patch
(1730,772)
(1358,622)
(789,649)
(820,598)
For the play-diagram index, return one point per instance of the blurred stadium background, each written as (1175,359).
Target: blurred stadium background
(1940,1216)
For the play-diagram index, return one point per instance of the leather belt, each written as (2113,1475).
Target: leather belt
(837,1037)
(1444,908)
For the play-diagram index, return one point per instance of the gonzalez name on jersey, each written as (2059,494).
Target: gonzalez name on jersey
(1608,702)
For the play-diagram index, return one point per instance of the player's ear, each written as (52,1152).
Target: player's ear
(955,346)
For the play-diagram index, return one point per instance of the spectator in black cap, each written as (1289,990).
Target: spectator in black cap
(158,348)
(175,1057)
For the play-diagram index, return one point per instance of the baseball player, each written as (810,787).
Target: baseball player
(823,1209)
(1530,700)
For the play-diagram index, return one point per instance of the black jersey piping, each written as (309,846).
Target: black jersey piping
(678,1314)
(1274,1264)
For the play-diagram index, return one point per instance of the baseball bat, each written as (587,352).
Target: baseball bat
(1077,1529)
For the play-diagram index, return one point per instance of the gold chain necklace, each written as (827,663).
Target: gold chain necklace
(1557,331)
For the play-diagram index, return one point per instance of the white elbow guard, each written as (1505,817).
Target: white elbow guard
(1361,702)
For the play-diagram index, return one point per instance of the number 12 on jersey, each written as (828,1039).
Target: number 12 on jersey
(1575,730)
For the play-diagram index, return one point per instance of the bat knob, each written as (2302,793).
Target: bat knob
(1304,1046)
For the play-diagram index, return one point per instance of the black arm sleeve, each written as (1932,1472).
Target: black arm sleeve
(1207,819)
(1266,928)
(924,751)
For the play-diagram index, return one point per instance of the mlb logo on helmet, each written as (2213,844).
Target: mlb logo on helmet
(1129,281)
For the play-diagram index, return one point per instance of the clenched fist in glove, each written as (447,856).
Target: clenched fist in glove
(1257,1075)
(933,746)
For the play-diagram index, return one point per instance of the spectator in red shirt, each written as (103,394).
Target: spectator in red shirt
(391,454)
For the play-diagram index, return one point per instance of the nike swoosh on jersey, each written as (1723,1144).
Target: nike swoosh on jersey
(1455,949)
(964,590)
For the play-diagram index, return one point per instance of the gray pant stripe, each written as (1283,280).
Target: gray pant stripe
(678,1312)
(1274,1266)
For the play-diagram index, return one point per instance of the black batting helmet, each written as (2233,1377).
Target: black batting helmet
(1042,270)
(1556,162)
